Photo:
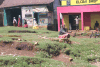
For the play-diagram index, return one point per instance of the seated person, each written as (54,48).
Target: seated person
(96,25)
(26,26)
(63,32)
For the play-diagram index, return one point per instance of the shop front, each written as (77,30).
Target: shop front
(37,13)
(89,14)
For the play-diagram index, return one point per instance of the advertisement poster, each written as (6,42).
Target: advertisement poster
(43,21)
(84,2)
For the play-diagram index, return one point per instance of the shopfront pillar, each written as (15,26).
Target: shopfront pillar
(82,24)
(5,18)
(58,18)
(62,20)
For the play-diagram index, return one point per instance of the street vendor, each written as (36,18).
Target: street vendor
(26,26)
(63,32)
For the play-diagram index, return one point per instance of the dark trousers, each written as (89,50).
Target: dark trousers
(77,26)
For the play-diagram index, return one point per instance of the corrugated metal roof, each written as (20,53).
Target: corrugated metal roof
(11,3)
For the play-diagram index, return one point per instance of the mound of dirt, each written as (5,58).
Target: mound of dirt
(17,45)
(6,43)
(17,49)
(12,35)
(21,31)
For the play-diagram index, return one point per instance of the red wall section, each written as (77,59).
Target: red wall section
(87,19)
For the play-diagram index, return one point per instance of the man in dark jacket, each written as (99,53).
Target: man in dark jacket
(96,25)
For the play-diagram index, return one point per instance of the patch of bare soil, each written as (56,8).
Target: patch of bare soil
(21,31)
(97,64)
(64,58)
(82,37)
(15,48)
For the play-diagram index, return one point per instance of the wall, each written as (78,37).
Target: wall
(65,2)
(95,17)
(86,19)
(66,20)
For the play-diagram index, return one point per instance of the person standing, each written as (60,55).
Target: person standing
(77,23)
(96,25)
(14,21)
(19,21)
(25,24)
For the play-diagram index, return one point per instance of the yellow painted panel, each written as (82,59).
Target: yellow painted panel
(66,20)
(84,2)
(80,24)
(63,3)
(94,18)
(86,28)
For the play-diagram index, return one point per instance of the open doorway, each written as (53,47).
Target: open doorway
(73,22)
(36,17)
(12,13)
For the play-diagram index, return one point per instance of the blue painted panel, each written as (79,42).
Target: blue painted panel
(5,18)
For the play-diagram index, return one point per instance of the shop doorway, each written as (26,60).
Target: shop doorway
(72,22)
(12,13)
(36,17)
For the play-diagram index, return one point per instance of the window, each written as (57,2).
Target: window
(28,15)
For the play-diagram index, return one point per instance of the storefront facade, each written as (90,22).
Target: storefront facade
(41,15)
(87,10)
(28,10)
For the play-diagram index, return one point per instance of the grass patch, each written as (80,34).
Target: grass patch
(82,53)
(28,62)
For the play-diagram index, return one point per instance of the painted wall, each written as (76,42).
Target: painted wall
(78,9)
(84,2)
(64,3)
(66,20)
(94,17)
(87,20)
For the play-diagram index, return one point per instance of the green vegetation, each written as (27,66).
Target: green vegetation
(10,61)
(83,53)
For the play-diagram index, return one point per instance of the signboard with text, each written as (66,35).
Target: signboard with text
(84,2)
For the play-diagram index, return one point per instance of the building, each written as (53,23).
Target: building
(87,10)
(56,3)
(41,10)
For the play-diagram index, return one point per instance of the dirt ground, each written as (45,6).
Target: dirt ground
(64,58)
(10,49)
